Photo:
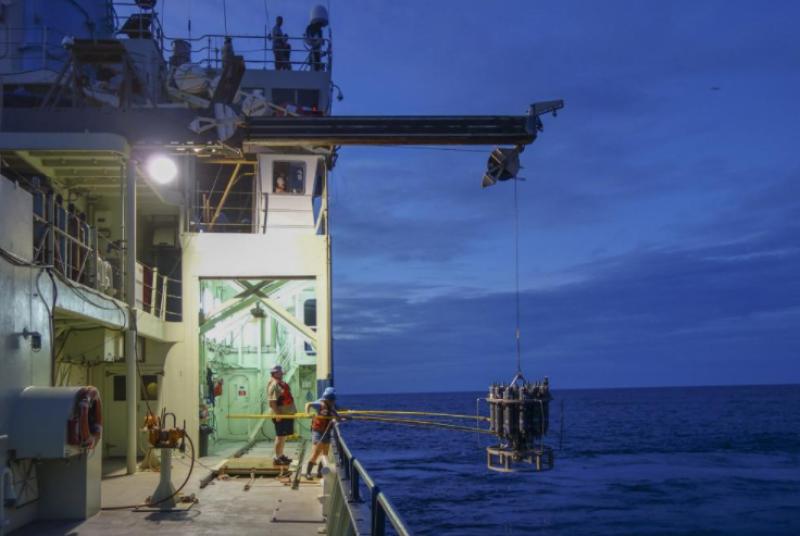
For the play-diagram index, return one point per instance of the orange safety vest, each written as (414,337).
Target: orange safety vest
(322,419)
(285,399)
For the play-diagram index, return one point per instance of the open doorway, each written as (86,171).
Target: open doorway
(246,327)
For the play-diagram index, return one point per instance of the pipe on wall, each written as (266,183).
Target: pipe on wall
(131,377)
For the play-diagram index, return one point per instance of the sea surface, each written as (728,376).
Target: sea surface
(688,460)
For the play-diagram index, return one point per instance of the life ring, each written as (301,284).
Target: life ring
(86,425)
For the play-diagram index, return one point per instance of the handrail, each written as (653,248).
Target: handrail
(65,241)
(381,508)
(155,300)
(257,53)
(132,8)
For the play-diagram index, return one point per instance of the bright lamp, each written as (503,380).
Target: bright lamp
(162,169)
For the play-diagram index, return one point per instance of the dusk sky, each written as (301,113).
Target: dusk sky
(660,238)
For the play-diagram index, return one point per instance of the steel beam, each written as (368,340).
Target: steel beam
(231,182)
(258,297)
(390,130)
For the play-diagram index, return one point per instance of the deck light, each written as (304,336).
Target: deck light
(162,169)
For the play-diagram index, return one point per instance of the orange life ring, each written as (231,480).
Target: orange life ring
(86,426)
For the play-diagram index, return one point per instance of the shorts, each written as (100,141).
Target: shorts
(283,427)
(321,437)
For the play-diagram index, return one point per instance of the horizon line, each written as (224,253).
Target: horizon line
(627,387)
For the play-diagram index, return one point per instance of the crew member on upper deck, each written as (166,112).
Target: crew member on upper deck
(314,40)
(227,52)
(281,48)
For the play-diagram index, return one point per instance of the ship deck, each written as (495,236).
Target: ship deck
(269,506)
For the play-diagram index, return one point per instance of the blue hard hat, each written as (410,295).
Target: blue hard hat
(329,394)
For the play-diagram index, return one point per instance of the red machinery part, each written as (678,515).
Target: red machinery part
(85,428)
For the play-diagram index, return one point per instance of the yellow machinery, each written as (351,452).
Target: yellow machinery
(166,497)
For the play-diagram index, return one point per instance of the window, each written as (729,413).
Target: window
(304,98)
(308,98)
(289,178)
(310,312)
(310,320)
(120,389)
(148,387)
(282,97)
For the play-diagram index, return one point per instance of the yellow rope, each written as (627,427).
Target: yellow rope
(288,416)
(425,413)
(295,416)
(426,423)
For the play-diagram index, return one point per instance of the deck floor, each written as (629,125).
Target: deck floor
(269,507)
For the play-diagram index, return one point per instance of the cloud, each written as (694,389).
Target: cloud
(658,316)
(659,225)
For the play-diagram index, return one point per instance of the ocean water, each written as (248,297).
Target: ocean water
(695,460)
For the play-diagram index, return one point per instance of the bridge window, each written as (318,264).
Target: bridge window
(306,99)
(289,177)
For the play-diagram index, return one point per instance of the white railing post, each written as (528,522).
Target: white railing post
(153,290)
(165,286)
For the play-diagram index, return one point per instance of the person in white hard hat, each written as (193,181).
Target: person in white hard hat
(321,428)
(281,403)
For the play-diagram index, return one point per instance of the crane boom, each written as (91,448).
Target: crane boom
(398,130)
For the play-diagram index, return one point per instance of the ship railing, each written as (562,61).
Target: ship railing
(158,294)
(31,42)
(64,241)
(123,12)
(28,42)
(259,52)
(354,479)
(234,216)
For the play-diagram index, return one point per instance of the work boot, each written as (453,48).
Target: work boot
(309,466)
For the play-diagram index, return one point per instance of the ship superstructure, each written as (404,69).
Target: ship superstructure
(165,238)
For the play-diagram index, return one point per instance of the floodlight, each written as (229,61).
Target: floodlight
(162,169)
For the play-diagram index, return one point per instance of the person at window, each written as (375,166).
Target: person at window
(321,428)
(314,40)
(281,48)
(280,184)
(281,402)
(297,184)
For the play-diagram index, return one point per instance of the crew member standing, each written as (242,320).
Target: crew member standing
(227,52)
(281,48)
(314,40)
(281,403)
(321,428)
